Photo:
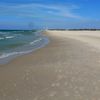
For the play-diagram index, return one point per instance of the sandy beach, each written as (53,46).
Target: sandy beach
(68,68)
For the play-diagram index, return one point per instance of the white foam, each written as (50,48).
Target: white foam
(33,42)
(4,55)
(9,37)
(7,56)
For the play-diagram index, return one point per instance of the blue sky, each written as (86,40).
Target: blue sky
(27,14)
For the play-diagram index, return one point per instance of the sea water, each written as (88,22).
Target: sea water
(18,42)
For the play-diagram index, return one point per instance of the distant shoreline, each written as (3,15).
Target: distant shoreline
(76,29)
(81,29)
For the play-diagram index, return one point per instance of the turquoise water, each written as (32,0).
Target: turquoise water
(15,43)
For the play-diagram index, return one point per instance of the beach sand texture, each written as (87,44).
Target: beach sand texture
(68,68)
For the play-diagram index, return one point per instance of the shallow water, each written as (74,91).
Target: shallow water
(15,43)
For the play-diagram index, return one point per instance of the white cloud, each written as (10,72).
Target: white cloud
(39,10)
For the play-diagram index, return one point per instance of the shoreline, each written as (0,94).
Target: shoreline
(67,68)
(41,42)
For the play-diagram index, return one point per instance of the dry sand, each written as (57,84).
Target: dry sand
(67,69)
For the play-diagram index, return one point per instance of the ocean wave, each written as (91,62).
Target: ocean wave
(4,33)
(5,55)
(1,38)
(20,45)
(35,41)
(9,37)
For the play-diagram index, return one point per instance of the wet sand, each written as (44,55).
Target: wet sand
(68,68)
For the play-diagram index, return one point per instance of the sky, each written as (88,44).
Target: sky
(41,14)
